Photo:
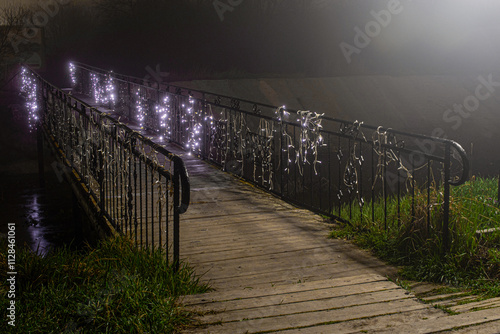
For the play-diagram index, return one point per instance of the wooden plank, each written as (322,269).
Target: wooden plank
(492,327)
(448,323)
(302,301)
(488,303)
(344,283)
(191,247)
(369,325)
(288,276)
(250,253)
(252,311)
(314,318)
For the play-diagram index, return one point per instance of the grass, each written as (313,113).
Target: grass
(413,240)
(113,288)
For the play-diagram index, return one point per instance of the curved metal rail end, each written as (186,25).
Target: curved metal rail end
(465,164)
(185,186)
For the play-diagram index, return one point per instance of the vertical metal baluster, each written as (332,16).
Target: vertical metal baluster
(399,191)
(360,181)
(446,211)
(136,222)
(146,227)
(152,208)
(281,165)
(429,161)
(141,192)
(349,189)
(160,222)
(114,171)
(339,179)
(412,190)
(176,215)
(329,162)
(167,213)
(296,195)
(384,186)
(373,182)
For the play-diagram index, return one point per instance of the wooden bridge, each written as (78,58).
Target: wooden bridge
(271,264)
(274,269)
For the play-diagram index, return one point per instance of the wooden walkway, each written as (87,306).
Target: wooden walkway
(273,269)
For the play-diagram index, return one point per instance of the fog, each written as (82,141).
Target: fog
(287,37)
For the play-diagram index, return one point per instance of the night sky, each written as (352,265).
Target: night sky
(308,38)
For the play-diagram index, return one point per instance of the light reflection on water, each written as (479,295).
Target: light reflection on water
(43,216)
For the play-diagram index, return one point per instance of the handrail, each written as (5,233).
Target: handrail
(328,165)
(257,105)
(120,167)
(178,160)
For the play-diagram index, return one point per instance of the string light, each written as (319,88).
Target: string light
(140,107)
(103,91)
(310,137)
(229,136)
(110,89)
(164,117)
(192,118)
(72,72)
(29,88)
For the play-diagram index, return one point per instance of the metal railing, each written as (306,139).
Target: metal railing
(139,187)
(334,167)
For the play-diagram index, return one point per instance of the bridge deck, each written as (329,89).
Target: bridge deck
(274,269)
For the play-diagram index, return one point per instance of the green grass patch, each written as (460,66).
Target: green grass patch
(113,288)
(412,238)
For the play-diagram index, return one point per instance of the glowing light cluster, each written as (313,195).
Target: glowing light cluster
(103,91)
(165,117)
(310,137)
(72,72)
(110,89)
(29,88)
(140,107)
(191,119)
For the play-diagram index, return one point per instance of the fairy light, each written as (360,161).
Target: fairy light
(164,117)
(310,136)
(103,92)
(192,118)
(309,141)
(195,120)
(140,106)
(29,88)
(72,72)
(110,96)
(96,87)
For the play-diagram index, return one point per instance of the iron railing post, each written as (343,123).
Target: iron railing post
(281,164)
(446,208)
(176,198)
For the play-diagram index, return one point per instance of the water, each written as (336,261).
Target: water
(45,217)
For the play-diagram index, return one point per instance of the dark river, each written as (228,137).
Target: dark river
(44,217)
